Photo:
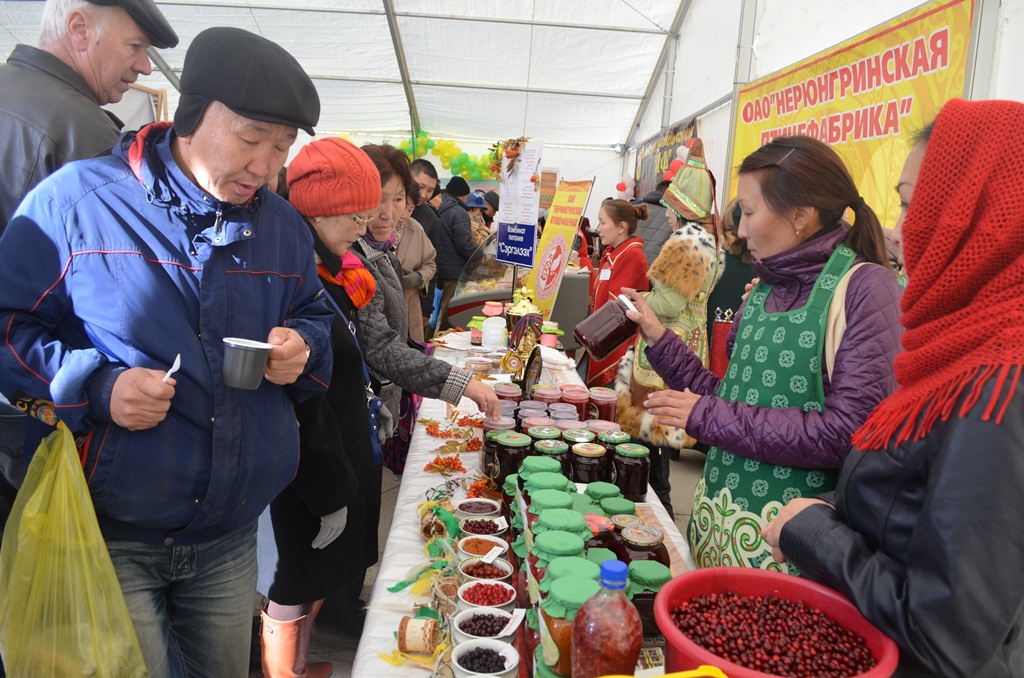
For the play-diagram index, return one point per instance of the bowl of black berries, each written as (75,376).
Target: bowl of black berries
(758,624)
(488,623)
(485,657)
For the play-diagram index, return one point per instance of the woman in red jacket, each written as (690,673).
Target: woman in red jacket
(622,265)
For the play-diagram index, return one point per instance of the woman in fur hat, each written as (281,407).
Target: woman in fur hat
(682,276)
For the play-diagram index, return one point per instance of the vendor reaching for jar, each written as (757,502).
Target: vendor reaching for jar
(779,423)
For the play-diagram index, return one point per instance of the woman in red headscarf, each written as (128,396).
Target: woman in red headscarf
(923,532)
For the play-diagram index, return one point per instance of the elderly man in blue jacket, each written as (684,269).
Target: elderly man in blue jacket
(113,266)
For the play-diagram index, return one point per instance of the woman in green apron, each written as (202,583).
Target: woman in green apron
(779,423)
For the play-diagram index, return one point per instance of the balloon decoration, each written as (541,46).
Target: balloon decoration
(453,159)
(680,160)
(625,187)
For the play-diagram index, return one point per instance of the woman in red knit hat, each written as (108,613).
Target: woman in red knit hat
(923,532)
(319,535)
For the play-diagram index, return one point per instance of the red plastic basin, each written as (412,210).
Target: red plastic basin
(682,654)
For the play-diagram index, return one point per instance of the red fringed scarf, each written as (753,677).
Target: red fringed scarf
(353,276)
(963,308)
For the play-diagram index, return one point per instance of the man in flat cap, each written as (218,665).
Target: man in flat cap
(50,96)
(113,266)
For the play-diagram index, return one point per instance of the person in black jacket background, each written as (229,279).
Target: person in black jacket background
(923,531)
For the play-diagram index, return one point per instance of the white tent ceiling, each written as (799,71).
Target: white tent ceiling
(564,71)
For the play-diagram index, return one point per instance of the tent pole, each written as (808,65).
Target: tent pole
(403,66)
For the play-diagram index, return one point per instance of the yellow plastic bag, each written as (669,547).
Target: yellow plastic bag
(62,612)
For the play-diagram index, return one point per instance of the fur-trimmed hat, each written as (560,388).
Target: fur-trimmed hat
(692,193)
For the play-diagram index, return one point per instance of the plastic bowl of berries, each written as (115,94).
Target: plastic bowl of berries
(480,594)
(755,624)
(485,657)
(481,623)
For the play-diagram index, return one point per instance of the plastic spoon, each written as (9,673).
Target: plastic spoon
(174,368)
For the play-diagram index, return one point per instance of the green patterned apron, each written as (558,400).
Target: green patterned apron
(776,362)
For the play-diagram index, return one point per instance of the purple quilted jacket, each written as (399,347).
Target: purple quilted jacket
(862,376)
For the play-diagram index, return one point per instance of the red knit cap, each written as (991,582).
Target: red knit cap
(332,176)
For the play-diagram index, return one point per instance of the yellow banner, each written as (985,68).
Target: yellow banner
(556,242)
(865,97)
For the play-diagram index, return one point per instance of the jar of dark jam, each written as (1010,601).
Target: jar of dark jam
(492,428)
(554,449)
(631,469)
(577,435)
(602,532)
(589,463)
(511,449)
(645,542)
(538,464)
(526,423)
(621,522)
(508,496)
(580,399)
(610,439)
(646,577)
(607,328)
(544,433)
(547,395)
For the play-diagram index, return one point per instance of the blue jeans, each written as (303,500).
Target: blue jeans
(191,605)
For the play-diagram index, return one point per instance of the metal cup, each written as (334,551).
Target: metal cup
(244,362)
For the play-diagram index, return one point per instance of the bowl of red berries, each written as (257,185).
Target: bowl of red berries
(477,594)
(475,569)
(757,624)
(482,527)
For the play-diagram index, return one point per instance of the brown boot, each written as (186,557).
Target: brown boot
(285,644)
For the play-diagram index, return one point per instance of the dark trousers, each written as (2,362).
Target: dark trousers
(660,458)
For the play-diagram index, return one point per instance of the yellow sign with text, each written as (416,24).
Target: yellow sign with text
(865,97)
(556,242)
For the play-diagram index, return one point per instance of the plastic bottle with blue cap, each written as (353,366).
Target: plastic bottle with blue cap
(607,635)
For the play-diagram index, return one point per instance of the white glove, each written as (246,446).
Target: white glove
(331,527)
(385,423)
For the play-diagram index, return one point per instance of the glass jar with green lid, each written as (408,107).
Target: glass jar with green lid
(602,490)
(646,577)
(554,449)
(585,505)
(544,433)
(589,463)
(508,496)
(577,435)
(542,500)
(564,520)
(568,566)
(613,506)
(511,449)
(612,438)
(599,555)
(548,480)
(537,464)
(631,469)
(546,547)
(557,614)
(494,427)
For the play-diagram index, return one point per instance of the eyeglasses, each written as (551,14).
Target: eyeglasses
(362,222)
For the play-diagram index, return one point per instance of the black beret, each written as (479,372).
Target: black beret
(150,19)
(457,186)
(254,77)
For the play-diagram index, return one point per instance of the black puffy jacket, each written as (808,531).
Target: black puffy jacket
(926,540)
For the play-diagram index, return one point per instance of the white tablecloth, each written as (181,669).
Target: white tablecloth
(403,551)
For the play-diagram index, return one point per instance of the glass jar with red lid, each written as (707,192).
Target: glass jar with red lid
(631,469)
(579,397)
(511,449)
(555,449)
(568,425)
(589,463)
(510,392)
(599,426)
(645,542)
(602,403)
(561,407)
(547,395)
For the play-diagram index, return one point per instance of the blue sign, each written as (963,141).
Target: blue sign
(517,244)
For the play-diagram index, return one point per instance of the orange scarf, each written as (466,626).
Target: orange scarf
(353,276)
(963,308)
